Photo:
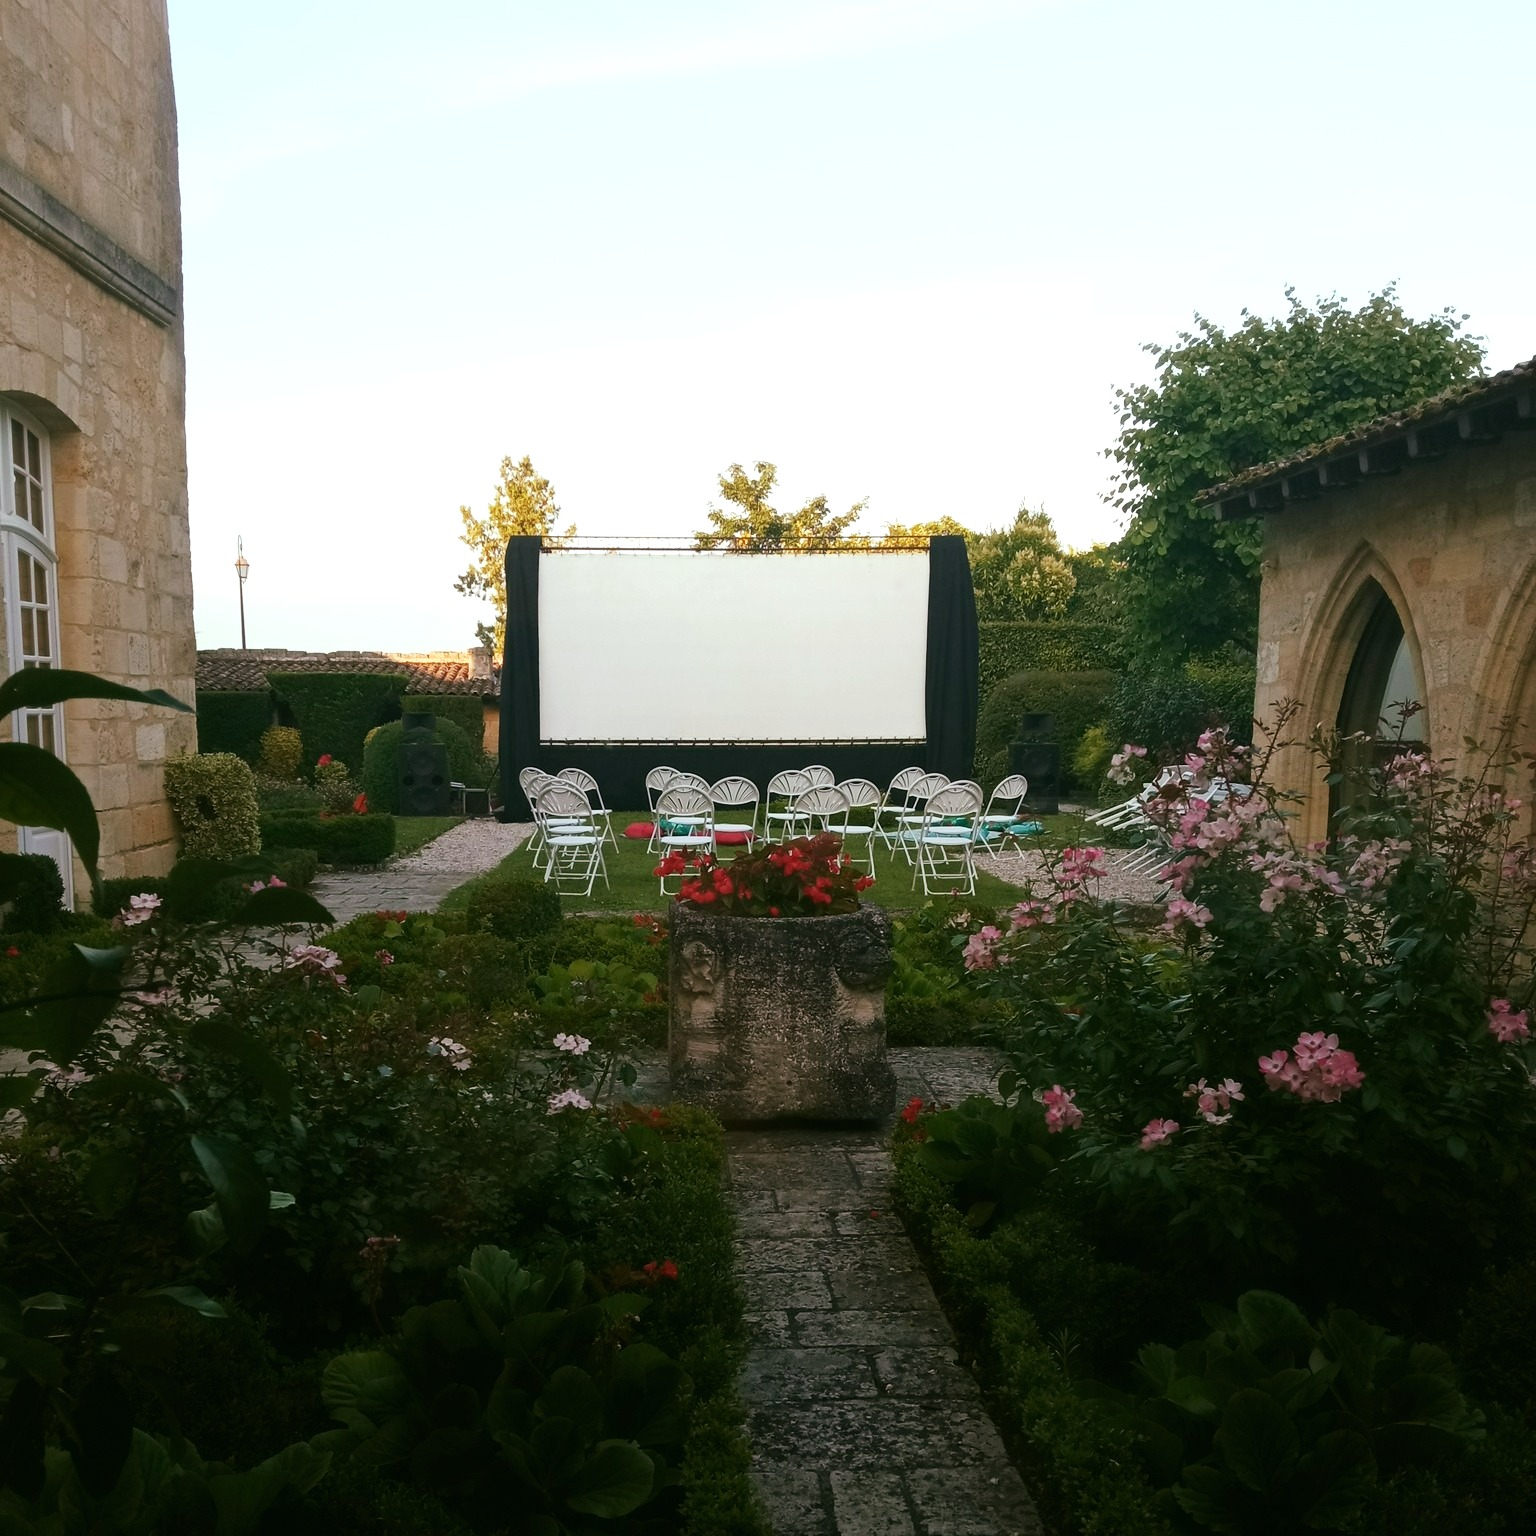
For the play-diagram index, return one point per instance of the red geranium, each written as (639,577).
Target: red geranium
(804,876)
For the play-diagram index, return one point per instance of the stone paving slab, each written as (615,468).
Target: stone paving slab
(862,1420)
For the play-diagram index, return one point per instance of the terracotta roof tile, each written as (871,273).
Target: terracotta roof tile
(1462,397)
(247,670)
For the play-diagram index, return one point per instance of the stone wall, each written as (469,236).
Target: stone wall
(1453,543)
(88,117)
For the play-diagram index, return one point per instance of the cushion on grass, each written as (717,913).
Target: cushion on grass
(733,838)
(640,829)
(1026,828)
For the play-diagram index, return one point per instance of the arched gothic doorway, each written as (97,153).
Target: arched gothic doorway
(1382,678)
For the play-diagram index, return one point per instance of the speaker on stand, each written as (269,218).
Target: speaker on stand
(421,779)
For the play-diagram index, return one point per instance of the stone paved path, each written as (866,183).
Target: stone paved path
(862,1421)
(420,880)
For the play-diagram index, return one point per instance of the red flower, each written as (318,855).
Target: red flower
(324,761)
(864,882)
(773,911)
(912,1111)
(673,864)
(360,805)
(13,953)
(666,1270)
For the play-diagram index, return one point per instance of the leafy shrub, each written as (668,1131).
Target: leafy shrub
(926,999)
(1077,700)
(512,908)
(1497,1343)
(233,721)
(464,711)
(32,892)
(1091,759)
(1165,708)
(1270,1424)
(213,796)
(339,840)
(466,1397)
(335,710)
(466,763)
(277,797)
(1047,645)
(282,752)
(336,788)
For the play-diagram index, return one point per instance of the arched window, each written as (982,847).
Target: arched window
(1382,679)
(29,580)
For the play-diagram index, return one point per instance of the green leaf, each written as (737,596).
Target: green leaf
(239,1189)
(365,1388)
(1267,1320)
(1259,1440)
(110,1181)
(83,992)
(37,790)
(41,687)
(282,904)
(187,1296)
(16,1090)
(226,1039)
(615,1480)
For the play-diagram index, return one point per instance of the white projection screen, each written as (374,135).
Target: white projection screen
(695,646)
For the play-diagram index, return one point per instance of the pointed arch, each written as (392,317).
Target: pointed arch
(1504,678)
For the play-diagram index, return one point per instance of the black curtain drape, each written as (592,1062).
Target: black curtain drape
(520,673)
(953,649)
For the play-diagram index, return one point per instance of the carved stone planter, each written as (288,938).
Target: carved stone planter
(780,1018)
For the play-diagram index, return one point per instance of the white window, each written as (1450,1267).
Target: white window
(29,579)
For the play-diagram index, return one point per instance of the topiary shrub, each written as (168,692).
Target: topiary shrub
(282,751)
(31,892)
(335,710)
(461,709)
(466,763)
(335,786)
(1077,700)
(231,720)
(512,908)
(341,840)
(213,796)
(1165,708)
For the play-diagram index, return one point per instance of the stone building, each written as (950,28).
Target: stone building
(1400,566)
(94,563)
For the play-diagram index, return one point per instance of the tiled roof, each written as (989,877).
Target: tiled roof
(247,670)
(1479,393)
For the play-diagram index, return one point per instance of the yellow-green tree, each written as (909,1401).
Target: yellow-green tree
(750,521)
(523,503)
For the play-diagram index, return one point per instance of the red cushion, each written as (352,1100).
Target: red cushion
(640,829)
(732,837)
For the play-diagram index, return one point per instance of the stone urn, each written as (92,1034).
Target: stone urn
(780,1018)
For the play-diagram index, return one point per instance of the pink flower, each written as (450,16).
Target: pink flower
(1031,914)
(1080,864)
(575,1045)
(455,1055)
(316,960)
(571,1098)
(1061,1114)
(1158,1131)
(1321,1072)
(1504,1024)
(1180,911)
(384,957)
(140,909)
(1215,1104)
(978,953)
(1314,1049)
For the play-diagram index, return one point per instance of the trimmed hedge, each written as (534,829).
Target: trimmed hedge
(466,762)
(1048,645)
(336,710)
(513,908)
(1083,1471)
(282,752)
(32,891)
(293,866)
(213,796)
(233,721)
(1166,708)
(339,840)
(1076,699)
(461,709)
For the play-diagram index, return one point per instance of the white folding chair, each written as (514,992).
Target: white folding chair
(945,848)
(588,786)
(894,802)
(825,804)
(1003,813)
(530,780)
(687,811)
(817,776)
(739,795)
(657,780)
(909,822)
(785,821)
(573,838)
(864,799)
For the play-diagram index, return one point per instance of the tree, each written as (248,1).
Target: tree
(759,525)
(1020,572)
(523,503)
(1225,401)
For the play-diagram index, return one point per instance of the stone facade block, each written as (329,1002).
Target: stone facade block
(780,1018)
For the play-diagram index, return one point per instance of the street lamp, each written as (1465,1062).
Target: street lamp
(242,570)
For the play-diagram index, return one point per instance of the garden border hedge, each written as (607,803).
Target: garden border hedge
(464,710)
(336,710)
(1048,645)
(232,720)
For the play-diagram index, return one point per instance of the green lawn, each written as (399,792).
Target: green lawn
(633,888)
(413,832)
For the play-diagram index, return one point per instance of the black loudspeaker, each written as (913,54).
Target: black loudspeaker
(413,720)
(421,779)
(1040,763)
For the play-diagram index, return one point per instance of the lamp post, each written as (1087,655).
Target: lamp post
(242,570)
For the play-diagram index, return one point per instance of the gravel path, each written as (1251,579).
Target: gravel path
(1118,885)
(470,848)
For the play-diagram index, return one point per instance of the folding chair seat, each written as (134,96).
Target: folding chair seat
(909,821)
(894,802)
(573,838)
(1002,822)
(782,819)
(588,785)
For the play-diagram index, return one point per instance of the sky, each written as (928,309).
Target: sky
(904,250)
